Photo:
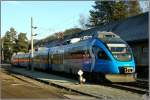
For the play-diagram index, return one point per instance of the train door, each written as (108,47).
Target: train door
(86,60)
(102,60)
(61,65)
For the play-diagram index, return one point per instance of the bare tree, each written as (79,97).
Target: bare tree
(82,21)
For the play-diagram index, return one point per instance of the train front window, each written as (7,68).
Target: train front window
(100,53)
(121,52)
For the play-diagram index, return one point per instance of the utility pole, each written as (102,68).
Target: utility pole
(32,50)
(31,37)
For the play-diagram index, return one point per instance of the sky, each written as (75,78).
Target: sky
(48,16)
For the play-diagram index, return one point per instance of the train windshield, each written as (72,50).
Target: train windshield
(121,52)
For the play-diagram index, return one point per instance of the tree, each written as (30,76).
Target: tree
(82,21)
(61,36)
(109,11)
(71,31)
(13,34)
(13,39)
(7,46)
(9,43)
(120,11)
(133,7)
(1,50)
(22,42)
(12,45)
(101,14)
(49,38)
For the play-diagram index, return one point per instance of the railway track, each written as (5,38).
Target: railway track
(143,83)
(140,87)
(132,88)
(139,84)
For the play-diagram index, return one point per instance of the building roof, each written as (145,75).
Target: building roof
(131,29)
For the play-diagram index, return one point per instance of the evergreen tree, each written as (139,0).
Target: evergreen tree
(61,36)
(71,31)
(120,11)
(13,34)
(22,42)
(109,11)
(7,46)
(12,45)
(13,39)
(82,21)
(101,14)
(133,8)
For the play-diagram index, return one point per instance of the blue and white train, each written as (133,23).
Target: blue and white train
(104,56)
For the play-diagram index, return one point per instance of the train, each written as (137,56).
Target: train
(102,57)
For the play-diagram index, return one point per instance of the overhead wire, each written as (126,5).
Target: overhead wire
(48,30)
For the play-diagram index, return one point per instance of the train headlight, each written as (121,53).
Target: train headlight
(115,56)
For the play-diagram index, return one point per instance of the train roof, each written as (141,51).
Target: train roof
(105,37)
(82,45)
(108,37)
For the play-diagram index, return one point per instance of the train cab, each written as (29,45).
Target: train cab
(114,57)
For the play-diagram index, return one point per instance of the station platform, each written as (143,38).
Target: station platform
(94,90)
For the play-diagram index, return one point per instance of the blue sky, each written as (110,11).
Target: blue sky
(48,16)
